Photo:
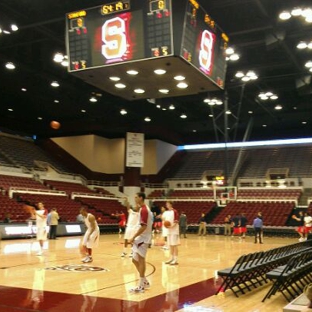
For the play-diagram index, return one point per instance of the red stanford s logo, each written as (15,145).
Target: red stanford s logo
(114,38)
(206,51)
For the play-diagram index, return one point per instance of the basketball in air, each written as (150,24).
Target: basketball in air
(167,223)
(55,125)
(29,209)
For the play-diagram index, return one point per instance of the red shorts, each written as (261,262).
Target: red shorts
(300,229)
(243,229)
(237,230)
(157,224)
(122,223)
(307,229)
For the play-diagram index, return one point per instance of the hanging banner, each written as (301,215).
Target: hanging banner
(135,150)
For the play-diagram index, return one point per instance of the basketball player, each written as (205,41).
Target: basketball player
(173,237)
(132,226)
(141,240)
(91,237)
(41,224)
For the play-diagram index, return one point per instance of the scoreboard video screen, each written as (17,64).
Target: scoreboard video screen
(118,32)
(203,43)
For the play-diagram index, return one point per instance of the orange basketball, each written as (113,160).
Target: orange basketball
(29,209)
(55,125)
(167,223)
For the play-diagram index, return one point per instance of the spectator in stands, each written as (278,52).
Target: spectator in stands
(183,224)
(243,224)
(307,224)
(236,225)
(173,233)
(157,222)
(132,225)
(53,222)
(121,220)
(228,225)
(300,229)
(202,225)
(258,225)
(7,218)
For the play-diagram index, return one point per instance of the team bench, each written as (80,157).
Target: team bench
(250,270)
(291,278)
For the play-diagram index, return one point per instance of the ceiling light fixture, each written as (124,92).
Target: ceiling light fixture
(171,107)
(123,112)
(164,91)
(132,72)
(267,96)
(10,65)
(183,116)
(147,119)
(213,101)
(182,85)
(93,99)
(285,15)
(120,85)
(179,78)
(159,71)
(278,107)
(139,91)
(55,84)
(24,89)
(250,75)
(114,78)
(297,12)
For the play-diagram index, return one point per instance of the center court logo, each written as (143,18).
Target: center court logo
(76,268)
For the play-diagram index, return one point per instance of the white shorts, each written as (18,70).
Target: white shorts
(130,231)
(173,239)
(92,240)
(139,248)
(42,233)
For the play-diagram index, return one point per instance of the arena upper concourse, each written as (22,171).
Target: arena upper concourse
(86,123)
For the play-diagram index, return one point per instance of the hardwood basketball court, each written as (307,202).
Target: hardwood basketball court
(58,281)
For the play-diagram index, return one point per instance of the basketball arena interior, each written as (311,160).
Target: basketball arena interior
(205,103)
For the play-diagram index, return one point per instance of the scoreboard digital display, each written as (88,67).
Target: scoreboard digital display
(118,32)
(203,43)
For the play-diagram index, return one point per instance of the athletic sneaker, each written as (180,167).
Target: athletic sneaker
(146,284)
(174,262)
(169,261)
(131,255)
(87,259)
(123,254)
(138,289)
(39,253)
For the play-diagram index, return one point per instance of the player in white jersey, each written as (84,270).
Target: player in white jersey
(91,237)
(131,227)
(41,225)
(141,240)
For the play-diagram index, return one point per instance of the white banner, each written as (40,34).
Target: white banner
(135,150)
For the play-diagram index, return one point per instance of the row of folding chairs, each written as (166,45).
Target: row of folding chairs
(250,270)
(291,278)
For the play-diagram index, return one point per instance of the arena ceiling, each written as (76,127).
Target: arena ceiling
(266,45)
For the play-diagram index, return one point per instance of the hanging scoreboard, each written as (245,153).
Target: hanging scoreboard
(114,37)
(119,32)
(203,43)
